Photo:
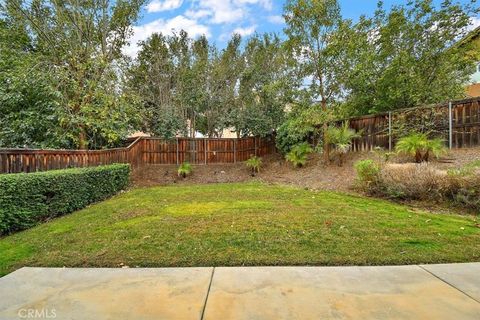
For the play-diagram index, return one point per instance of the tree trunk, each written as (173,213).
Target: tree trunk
(326,144)
(82,140)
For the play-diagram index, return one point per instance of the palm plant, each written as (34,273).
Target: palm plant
(184,170)
(254,163)
(341,138)
(434,146)
(420,146)
(299,154)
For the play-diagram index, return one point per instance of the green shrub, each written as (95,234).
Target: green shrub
(184,170)
(29,198)
(299,154)
(254,163)
(368,172)
(420,147)
(288,137)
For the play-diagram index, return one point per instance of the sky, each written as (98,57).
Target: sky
(219,19)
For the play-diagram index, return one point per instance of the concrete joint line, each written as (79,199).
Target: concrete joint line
(208,293)
(451,285)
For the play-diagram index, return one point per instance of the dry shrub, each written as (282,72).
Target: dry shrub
(411,181)
(463,188)
(424,182)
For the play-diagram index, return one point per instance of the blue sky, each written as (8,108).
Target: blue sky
(219,19)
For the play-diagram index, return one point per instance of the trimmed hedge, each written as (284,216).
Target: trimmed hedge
(27,199)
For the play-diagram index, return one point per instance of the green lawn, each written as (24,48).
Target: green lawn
(242,224)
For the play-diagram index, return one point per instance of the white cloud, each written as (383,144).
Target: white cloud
(222,11)
(164,5)
(142,32)
(276,19)
(198,14)
(245,31)
(225,11)
(474,23)
(267,4)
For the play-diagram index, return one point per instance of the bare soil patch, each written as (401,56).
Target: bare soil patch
(276,170)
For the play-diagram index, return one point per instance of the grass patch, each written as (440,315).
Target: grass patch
(242,224)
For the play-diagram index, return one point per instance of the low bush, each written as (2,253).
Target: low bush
(420,182)
(254,163)
(463,188)
(29,198)
(411,181)
(184,170)
(368,172)
(298,156)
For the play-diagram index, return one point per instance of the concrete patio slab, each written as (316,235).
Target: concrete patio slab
(404,292)
(175,293)
(464,276)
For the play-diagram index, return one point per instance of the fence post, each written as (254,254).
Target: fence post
(205,147)
(390,131)
(178,160)
(255,139)
(450,126)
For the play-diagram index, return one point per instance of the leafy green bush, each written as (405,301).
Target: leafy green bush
(254,163)
(29,198)
(368,172)
(184,170)
(420,146)
(299,154)
(287,137)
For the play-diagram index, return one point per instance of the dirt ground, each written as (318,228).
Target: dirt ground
(276,170)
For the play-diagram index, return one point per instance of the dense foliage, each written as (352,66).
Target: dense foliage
(27,199)
(189,85)
(65,82)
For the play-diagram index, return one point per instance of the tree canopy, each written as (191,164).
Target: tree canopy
(65,82)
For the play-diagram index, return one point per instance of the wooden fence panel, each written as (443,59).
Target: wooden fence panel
(375,130)
(143,151)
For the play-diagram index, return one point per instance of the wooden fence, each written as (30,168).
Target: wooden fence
(141,152)
(457,122)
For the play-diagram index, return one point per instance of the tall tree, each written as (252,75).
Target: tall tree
(28,102)
(153,78)
(311,25)
(407,56)
(265,86)
(81,43)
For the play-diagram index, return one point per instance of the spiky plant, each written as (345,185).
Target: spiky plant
(435,147)
(184,170)
(412,145)
(341,138)
(420,146)
(254,163)
(299,154)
